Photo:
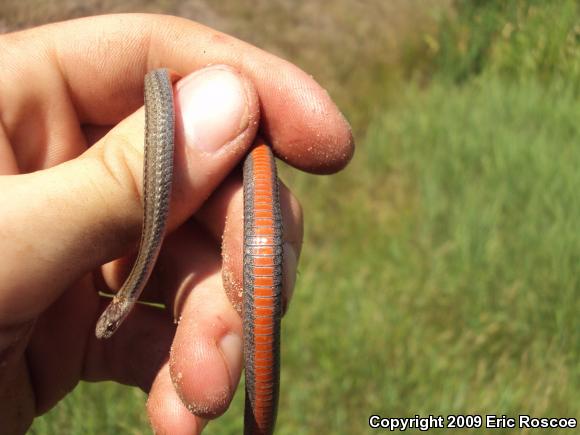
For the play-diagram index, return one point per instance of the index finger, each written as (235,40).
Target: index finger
(103,60)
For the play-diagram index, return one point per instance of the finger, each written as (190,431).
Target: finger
(88,211)
(17,398)
(178,268)
(223,216)
(15,385)
(300,120)
(135,354)
(189,257)
(206,356)
(56,347)
(167,413)
(132,357)
(206,353)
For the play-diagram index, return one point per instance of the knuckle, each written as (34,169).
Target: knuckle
(119,161)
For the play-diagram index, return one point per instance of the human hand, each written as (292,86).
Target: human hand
(71,153)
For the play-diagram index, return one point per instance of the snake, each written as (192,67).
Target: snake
(262,252)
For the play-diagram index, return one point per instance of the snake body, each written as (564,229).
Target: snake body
(262,268)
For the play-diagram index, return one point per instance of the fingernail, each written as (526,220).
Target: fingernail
(211,108)
(231,347)
(289,264)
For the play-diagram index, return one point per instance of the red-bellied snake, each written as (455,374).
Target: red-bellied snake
(262,254)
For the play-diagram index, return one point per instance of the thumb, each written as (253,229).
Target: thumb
(60,223)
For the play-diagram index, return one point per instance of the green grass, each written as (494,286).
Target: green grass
(459,295)
(520,40)
(440,270)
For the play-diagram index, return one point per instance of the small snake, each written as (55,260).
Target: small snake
(262,256)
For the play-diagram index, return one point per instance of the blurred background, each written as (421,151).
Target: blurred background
(440,272)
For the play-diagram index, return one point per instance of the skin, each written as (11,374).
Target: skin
(71,152)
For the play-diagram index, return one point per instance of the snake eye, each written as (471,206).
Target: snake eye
(108,329)
(111,328)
